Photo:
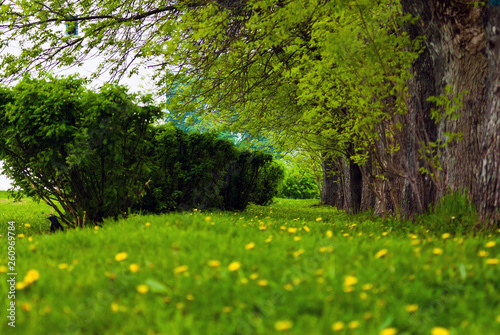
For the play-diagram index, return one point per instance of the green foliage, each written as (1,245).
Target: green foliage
(76,148)
(188,171)
(193,170)
(299,185)
(454,213)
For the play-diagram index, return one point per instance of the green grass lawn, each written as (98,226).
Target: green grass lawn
(289,268)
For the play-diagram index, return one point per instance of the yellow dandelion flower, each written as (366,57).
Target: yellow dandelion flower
(492,261)
(20,285)
(96,227)
(367,315)
(121,256)
(147,224)
(367,287)
(142,289)
(490,244)
(234,266)
(445,236)
(227,309)
(269,239)
(482,253)
(134,267)
(353,324)
(63,266)
(318,219)
(385,233)
(298,252)
(189,297)
(363,296)
(31,277)
(389,331)
(437,251)
(498,318)
(350,280)
(411,308)
(20,235)
(262,282)
(381,253)
(213,263)
(329,233)
(180,269)
(254,276)
(306,228)
(244,281)
(338,326)
(440,331)
(250,246)
(262,228)
(115,307)
(297,238)
(208,219)
(27,225)
(283,325)
(288,287)
(3,269)
(26,307)
(292,230)
(29,238)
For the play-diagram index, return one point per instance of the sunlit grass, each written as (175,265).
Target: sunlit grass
(289,268)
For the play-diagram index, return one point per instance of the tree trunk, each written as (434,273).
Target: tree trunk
(462,48)
(330,190)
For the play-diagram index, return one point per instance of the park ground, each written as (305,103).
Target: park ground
(290,268)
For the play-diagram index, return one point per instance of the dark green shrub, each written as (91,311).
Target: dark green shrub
(82,152)
(188,170)
(193,170)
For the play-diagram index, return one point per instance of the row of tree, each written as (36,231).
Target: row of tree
(398,98)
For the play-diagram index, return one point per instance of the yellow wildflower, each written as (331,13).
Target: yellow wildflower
(142,289)
(213,263)
(389,331)
(411,308)
(437,251)
(350,280)
(381,253)
(492,261)
(121,256)
(490,244)
(283,325)
(250,246)
(440,331)
(234,266)
(338,326)
(134,267)
(180,269)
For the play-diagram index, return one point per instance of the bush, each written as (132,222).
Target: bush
(299,185)
(193,170)
(80,151)
(91,155)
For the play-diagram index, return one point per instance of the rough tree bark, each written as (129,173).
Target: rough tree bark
(462,49)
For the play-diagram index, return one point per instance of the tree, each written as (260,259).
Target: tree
(462,53)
